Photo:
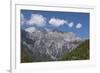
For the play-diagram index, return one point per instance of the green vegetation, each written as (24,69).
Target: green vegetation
(79,53)
(26,56)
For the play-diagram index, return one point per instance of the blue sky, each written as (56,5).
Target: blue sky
(63,21)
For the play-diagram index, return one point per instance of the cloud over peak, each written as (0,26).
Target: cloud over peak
(79,25)
(71,24)
(30,29)
(37,19)
(57,22)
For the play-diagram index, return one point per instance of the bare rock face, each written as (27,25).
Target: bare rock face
(48,45)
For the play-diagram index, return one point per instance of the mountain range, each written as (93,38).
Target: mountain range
(39,45)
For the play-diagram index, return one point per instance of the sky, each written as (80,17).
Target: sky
(76,22)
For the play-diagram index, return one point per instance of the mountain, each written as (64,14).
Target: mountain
(45,45)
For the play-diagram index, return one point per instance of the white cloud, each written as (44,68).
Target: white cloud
(71,24)
(79,25)
(57,22)
(22,19)
(37,19)
(30,29)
